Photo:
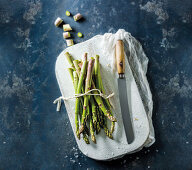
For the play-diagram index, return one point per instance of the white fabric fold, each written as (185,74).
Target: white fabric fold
(138,62)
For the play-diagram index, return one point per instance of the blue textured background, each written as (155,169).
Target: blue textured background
(34,136)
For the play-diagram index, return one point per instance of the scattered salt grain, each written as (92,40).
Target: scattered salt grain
(76,155)
(132,3)
(162,122)
(71,160)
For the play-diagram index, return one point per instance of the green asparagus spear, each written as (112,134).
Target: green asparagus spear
(104,123)
(85,133)
(77,100)
(93,110)
(78,70)
(91,125)
(101,117)
(70,70)
(107,132)
(100,103)
(86,129)
(98,128)
(75,80)
(76,64)
(69,59)
(97,68)
(103,120)
(80,83)
(85,138)
(98,125)
(98,79)
(82,74)
(87,88)
(99,85)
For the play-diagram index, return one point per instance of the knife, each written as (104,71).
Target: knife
(127,122)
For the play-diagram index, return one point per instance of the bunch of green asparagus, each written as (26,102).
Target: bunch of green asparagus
(92,112)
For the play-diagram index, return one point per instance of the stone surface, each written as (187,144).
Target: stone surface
(34,136)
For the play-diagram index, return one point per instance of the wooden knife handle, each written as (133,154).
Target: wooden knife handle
(120,58)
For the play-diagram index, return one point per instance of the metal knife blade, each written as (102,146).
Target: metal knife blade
(125,110)
(120,58)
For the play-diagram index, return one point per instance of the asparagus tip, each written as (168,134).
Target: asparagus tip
(93,138)
(112,127)
(67,53)
(110,117)
(98,128)
(81,129)
(85,138)
(97,56)
(108,133)
(78,134)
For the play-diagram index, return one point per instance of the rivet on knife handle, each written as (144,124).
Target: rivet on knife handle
(120,58)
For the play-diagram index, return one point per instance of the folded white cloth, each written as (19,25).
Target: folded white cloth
(138,62)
